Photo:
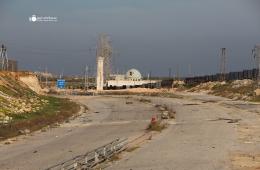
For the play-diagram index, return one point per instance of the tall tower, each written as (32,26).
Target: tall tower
(104,50)
(223,61)
(100,73)
(3,58)
(104,55)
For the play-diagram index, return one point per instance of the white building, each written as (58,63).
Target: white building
(132,78)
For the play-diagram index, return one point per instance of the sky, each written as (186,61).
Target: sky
(149,35)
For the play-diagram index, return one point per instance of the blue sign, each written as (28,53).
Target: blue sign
(61,83)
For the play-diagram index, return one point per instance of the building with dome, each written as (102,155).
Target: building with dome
(132,78)
(133,75)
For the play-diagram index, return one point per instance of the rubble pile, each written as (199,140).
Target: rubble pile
(241,83)
(237,90)
(32,82)
(205,87)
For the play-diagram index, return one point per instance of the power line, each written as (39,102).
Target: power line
(4,58)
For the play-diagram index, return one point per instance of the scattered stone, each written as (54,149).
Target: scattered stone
(24,132)
(55,125)
(157,105)
(14,139)
(172,114)
(128,102)
(162,108)
(8,142)
(27,131)
(165,115)
(257,92)
(241,83)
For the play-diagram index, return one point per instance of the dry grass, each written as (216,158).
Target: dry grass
(229,90)
(143,100)
(57,110)
(171,112)
(115,157)
(157,126)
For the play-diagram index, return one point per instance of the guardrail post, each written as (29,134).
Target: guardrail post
(104,151)
(96,157)
(86,159)
(75,164)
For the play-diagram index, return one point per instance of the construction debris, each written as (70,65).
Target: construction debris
(241,83)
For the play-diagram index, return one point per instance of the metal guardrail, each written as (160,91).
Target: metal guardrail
(91,159)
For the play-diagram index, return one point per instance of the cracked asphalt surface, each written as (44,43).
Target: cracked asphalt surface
(201,138)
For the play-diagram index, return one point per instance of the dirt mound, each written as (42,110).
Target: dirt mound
(241,83)
(238,89)
(32,82)
(16,97)
(205,87)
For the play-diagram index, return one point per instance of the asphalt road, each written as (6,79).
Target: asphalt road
(108,118)
(202,137)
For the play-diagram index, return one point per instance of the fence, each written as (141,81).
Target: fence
(245,74)
(91,159)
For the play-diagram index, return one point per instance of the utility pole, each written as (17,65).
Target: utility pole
(40,75)
(150,79)
(61,74)
(86,77)
(46,78)
(170,73)
(177,72)
(223,60)
(256,55)
(189,70)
